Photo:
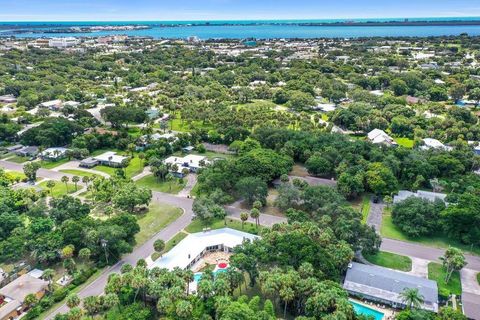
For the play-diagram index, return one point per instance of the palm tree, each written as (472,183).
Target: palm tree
(30,300)
(73,301)
(75,180)
(243,217)
(411,297)
(48,275)
(65,180)
(255,214)
(50,185)
(86,180)
(188,277)
(170,178)
(287,295)
(111,300)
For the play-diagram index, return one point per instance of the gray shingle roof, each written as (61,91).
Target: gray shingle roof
(386,284)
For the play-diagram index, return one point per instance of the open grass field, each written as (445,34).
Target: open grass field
(437,272)
(79,173)
(197,225)
(390,230)
(365,209)
(53,164)
(152,183)
(60,189)
(157,218)
(390,260)
(404,142)
(134,168)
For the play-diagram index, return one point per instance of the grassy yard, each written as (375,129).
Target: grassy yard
(152,183)
(390,260)
(134,167)
(170,244)
(365,208)
(60,189)
(101,151)
(404,142)
(197,225)
(157,218)
(437,272)
(53,164)
(478,278)
(17,159)
(390,230)
(79,173)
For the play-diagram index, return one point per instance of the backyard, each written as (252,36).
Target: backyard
(157,218)
(53,164)
(79,173)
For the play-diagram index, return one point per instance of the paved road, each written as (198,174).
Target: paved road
(42,173)
(141,252)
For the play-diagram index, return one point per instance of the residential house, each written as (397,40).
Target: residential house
(377,136)
(427,195)
(110,159)
(190,162)
(386,286)
(30,151)
(13,295)
(8,99)
(52,105)
(53,154)
(429,143)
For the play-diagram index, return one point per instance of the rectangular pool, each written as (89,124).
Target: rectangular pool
(366,311)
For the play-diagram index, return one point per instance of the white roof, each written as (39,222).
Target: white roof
(434,144)
(53,151)
(51,103)
(111,157)
(192,160)
(379,136)
(326,107)
(189,248)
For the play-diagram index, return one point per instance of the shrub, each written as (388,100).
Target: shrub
(59,294)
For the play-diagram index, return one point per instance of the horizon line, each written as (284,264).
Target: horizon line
(247,19)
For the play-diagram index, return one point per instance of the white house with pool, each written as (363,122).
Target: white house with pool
(195,246)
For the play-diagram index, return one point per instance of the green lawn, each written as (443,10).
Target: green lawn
(257,103)
(197,225)
(79,173)
(157,218)
(404,142)
(478,278)
(170,244)
(53,164)
(17,159)
(59,189)
(437,272)
(390,260)
(365,208)
(134,168)
(390,230)
(152,183)
(101,151)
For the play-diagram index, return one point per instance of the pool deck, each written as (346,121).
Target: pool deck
(388,313)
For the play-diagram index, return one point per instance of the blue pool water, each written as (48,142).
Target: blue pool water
(366,311)
(198,276)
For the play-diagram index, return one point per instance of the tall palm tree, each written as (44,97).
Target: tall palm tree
(65,180)
(48,275)
(412,297)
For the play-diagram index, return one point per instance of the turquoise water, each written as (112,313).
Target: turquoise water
(364,310)
(265,29)
(198,276)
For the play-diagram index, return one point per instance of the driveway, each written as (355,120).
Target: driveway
(375,215)
(265,219)
(191,182)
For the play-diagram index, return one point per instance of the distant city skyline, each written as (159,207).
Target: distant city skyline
(155,10)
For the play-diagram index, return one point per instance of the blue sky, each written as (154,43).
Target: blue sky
(109,10)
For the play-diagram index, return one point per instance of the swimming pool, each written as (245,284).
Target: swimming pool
(198,276)
(366,311)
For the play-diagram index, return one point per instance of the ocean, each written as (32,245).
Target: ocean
(261,29)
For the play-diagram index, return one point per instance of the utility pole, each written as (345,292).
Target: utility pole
(104,243)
